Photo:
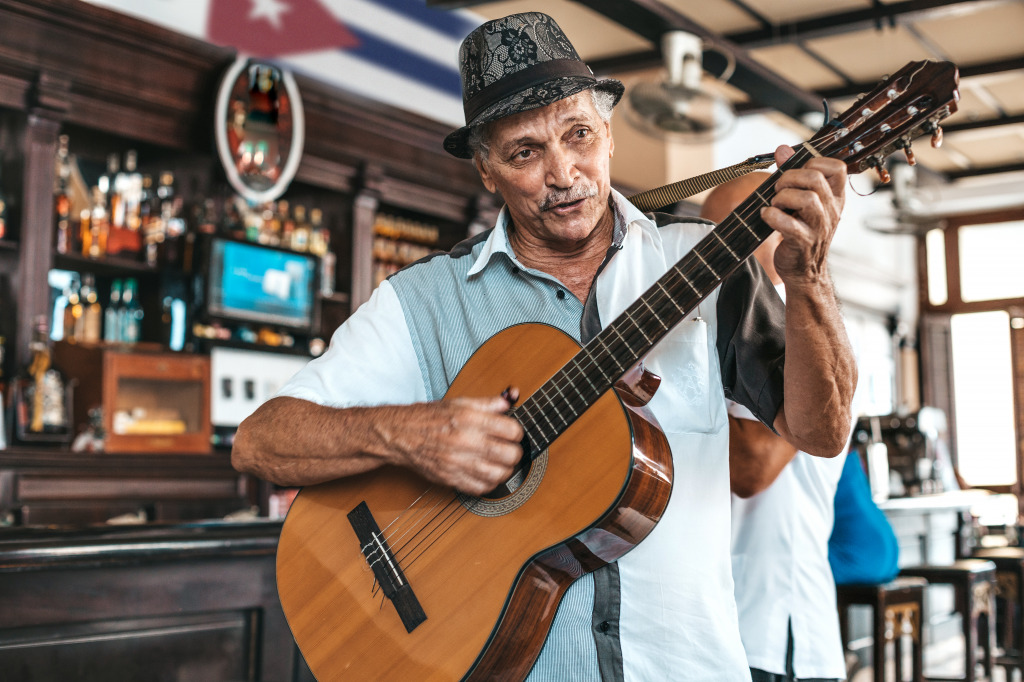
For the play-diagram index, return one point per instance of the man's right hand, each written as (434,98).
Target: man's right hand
(470,444)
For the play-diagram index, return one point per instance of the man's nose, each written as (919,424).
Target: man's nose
(561,170)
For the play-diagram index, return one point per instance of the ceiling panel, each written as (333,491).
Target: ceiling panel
(867,56)
(992,32)
(781,11)
(973,106)
(1008,91)
(593,35)
(798,66)
(991,146)
(720,16)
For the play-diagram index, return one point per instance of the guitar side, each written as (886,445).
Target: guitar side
(488,580)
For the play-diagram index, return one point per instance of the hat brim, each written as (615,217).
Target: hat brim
(532,98)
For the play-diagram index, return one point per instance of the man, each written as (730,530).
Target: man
(570,252)
(782,516)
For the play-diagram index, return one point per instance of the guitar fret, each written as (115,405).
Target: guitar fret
(766,202)
(706,264)
(669,296)
(622,338)
(688,282)
(749,228)
(643,300)
(638,327)
(722,242)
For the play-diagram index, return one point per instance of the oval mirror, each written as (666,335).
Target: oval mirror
(259,128)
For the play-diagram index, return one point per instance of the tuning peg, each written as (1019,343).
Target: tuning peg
(904,144)
(937,137)
(883,174)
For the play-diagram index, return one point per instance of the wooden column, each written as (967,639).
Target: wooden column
(50,102)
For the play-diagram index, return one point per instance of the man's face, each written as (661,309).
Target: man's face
(551,167)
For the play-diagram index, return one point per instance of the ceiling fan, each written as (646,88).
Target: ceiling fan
(676,107)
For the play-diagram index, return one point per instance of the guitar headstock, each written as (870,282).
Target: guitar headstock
(910,102)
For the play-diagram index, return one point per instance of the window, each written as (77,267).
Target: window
(972,341)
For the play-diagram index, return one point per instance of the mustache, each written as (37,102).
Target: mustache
(568,196)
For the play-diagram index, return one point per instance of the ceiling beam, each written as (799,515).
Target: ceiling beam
(873,18)
(985,170)
(650,19)
(984,123)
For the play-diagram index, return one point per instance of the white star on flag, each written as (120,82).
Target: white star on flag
(270,10)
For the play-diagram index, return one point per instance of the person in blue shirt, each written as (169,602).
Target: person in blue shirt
(862,548)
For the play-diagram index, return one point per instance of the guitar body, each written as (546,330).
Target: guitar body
(487,573)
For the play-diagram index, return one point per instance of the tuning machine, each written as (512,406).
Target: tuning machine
(877,162)
(904,144)
(936,132)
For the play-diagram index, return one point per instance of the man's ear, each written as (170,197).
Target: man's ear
(485,176)
(611,140)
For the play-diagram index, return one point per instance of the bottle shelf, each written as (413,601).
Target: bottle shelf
(106,266)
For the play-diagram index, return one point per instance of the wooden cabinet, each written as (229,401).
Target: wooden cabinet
(150,401)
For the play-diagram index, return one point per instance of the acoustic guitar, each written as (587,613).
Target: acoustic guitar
(385,576)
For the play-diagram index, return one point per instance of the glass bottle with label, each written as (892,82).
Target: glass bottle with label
(92,312)
(112,315)
(62,200)
(43,409)
(131,313)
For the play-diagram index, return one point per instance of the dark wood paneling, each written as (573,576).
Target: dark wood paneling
(195,602)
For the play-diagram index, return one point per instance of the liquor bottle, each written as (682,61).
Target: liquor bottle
(131,193)
(43,409)
(73,312)
(111,316)
(61,200)
(106,185)
(131,313)
(99,224)
(287,224)
(92,312)
(168,245)
(319,237)
(300,238)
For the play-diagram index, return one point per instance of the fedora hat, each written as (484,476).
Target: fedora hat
(514,64)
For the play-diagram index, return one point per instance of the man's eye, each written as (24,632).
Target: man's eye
(581,133)
(523,154)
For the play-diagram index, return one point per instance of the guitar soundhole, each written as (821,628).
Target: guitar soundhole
(510,495)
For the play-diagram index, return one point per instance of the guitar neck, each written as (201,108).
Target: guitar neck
(605,359)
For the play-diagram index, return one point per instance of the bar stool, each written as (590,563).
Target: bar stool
(973,581)
(897,609)
(1009,563)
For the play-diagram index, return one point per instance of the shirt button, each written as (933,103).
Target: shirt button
(605,626)
(560,294)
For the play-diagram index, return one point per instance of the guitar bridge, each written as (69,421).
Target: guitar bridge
(384,565)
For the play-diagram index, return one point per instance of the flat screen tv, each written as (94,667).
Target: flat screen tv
(259,284)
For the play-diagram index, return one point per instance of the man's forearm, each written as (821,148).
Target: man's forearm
(820,371)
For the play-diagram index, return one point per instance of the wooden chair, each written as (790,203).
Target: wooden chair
(1009,563)
(897,611)
(973,581)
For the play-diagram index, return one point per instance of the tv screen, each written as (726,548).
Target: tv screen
(258,284)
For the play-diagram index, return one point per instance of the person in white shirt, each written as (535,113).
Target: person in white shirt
(782,514)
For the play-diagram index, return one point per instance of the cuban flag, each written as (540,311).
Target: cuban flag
(400,52)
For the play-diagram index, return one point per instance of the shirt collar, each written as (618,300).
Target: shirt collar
(497,242)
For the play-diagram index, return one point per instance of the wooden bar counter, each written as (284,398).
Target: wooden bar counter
(191,601)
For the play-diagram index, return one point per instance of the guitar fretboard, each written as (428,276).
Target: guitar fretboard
(600,363)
